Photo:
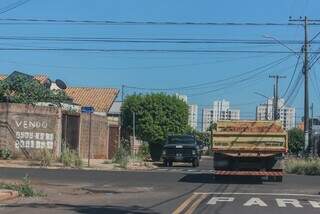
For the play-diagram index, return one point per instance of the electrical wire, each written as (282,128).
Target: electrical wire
(111,22)
(191,51)
(292,77)
(194,86)
(13,6)
(150,40)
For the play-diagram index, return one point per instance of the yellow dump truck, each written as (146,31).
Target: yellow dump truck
(249,148)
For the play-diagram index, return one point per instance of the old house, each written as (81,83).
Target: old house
(25,129)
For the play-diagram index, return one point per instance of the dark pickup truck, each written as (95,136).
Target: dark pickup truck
(181,148)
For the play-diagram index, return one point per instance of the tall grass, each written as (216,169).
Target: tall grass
(70,158)
(122,157)
(308,166)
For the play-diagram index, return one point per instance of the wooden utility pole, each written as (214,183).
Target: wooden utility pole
(306,82)
(306,86)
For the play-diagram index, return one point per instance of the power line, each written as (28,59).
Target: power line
(149,50)
(133,67)
(151,40)
(195,86)
(268,67)
(111,22)
(292,77)
(13,6)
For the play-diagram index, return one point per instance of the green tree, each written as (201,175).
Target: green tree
(20,89)
(157,115)
(296,143)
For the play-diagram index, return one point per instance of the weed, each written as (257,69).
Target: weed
(24,188)
(70,158)
(144,152)
(77,160)
(121,157)
(46,158)
(5,154)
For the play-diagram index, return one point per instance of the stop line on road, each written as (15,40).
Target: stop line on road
(280,200)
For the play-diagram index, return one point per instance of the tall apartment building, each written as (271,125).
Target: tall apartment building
(220,111)
(192,110)
(182,97)
(207,118)
(193,116)
(287,114)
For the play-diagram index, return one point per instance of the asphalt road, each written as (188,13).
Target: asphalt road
(167,190)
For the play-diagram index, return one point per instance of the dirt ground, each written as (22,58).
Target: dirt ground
(95,164)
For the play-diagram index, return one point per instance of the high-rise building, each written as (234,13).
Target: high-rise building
(182,97)
(220,111)
(207,118)
(286,114)
(192,111)
(193,116)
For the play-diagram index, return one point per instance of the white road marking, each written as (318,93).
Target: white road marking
(315,204)
(255,193)
(255,201)
(282,202)
(214,200)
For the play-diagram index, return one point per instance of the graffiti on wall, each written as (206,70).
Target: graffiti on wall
(34,135)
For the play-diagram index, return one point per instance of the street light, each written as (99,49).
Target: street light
(281,43)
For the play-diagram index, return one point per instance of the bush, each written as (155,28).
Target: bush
(5,154)
(24,189)
(70,158)
(309,166)
(46,158)
(121,157)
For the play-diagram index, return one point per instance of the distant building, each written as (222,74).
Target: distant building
(207,118)
(182,97)
(193,116)
(286,114)
(220,111)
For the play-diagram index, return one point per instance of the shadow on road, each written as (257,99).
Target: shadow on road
(211,179)
(85,209)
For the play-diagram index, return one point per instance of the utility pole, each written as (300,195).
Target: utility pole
(134,126)
(306,82)
(311,132)
(122,93)
(306,87)
(276,96)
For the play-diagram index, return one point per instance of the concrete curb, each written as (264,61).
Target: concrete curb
(8,194)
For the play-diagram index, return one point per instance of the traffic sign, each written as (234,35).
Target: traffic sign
(87,109)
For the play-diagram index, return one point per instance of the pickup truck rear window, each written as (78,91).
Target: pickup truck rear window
(181,140)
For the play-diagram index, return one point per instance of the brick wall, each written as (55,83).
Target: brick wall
(30,127)
(99,136)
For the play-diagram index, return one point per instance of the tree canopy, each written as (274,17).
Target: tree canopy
(296,143)
(20,89)
(157,115)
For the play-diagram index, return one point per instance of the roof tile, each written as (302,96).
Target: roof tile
(99,98)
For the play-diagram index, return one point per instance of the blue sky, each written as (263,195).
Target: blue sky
(161,70)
